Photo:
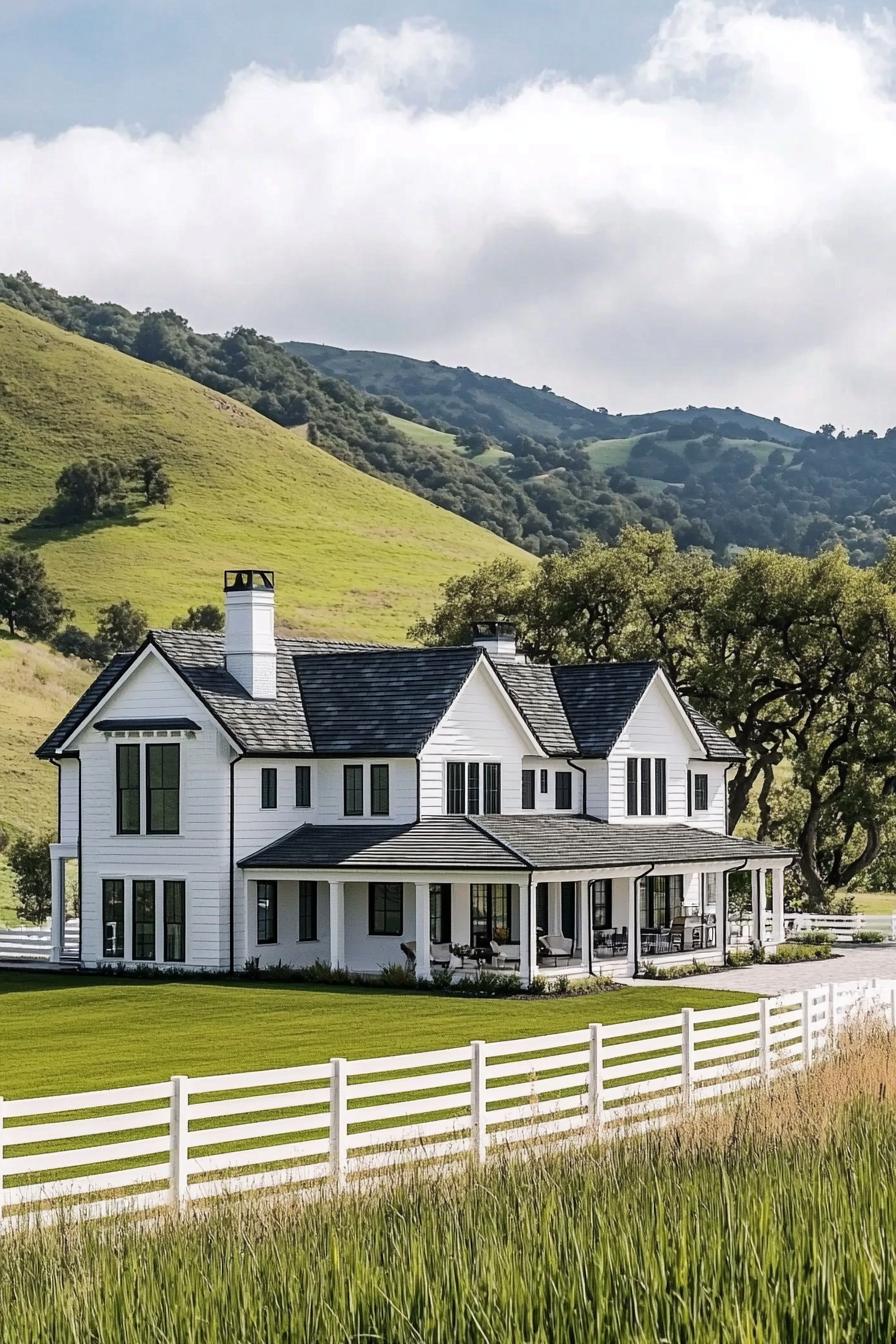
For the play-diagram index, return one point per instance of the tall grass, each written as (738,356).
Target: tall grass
(771,1220)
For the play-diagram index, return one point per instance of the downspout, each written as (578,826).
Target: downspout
(417,763)
(590,922)
(738,868)
(582,772)
(80,875)
(636,926)
(232,858)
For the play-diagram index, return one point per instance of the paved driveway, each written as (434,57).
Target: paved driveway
(851,963)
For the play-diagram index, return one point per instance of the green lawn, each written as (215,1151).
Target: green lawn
(72,1033)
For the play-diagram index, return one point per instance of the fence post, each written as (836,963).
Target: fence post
(807,1028)
(338,1122)
(832,1014)
(892,1005)
(765,1039)
(478,1131)
(596,1075)
(178,1136)
(687,1056)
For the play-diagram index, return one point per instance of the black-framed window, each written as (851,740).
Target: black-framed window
(440,912)
(701,793)
(489,913)
(541,907)
(646,790)
(269,786)
(528,797)
(601,903)
(563,790)
(690,793)
(127,787)
(303,786)
(456,794)
(163,788)
(631,786)
(379,790)
(661,899)
(353,790)
(307,912)
(543,781)
(473,788)
(113,917)
(491,788)
(143,935)
(174,903)
(385,908)
(266,912)
(659,786)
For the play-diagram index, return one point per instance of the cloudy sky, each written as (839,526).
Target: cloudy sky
(638,202)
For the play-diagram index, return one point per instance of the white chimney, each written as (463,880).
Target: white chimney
(498,638)
(250,653)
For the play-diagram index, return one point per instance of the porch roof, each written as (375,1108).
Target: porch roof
(504,842)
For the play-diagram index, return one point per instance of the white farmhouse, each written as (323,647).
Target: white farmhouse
(236,797)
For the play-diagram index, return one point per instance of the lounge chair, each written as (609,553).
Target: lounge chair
(505,954)
(410,953)
(555,947)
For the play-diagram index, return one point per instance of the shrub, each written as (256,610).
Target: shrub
(398,976)
(653,972)
(788,952)
(29,859)
(868,936)
(488,984)
(442,978)
(739,957)
(813,937)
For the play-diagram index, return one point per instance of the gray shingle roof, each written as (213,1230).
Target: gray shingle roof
(438,842)
(366,699)
(380,702)
(506,842)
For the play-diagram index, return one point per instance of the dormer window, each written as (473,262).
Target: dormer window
(645,786)
(462,788)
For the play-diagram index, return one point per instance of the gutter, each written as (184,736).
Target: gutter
(636,927)
(582,772)
(737,868)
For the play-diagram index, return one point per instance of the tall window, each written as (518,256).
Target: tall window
(645,786)
(601,902)
(175,912)
(455,776)
(113,917)
(440,912)
(163,788)
(528,790)
(631,786)
(542,781)
(144,921)
(563,790)
(385,907)
(690,793)
(659,786)
(701,793)
(303,786)
(491,788)
(127,779)
(660,900)
(353,790)
(266,912)
(269,786)
(379,790)
(541,907)
(307,912)
(473,788)
(489,913)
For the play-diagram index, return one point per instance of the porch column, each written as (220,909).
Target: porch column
(421,928)
(757,890)
(584,922)
(528,936)
(777,905)
(57,906)
(337,923)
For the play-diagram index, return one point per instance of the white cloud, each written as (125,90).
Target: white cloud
(717,226)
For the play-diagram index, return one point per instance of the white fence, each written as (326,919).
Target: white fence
(845,926)
(91,1154)
(32,942)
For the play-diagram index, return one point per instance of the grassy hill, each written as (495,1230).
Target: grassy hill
(354,556)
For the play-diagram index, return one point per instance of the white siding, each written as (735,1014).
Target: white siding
(713,819)
(544,802)
(655,729)
(287,948)
(68,802)
(402,791)
(479,726)
(198,855)
(367,952)
(597,773)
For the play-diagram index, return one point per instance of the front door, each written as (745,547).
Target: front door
(489,913)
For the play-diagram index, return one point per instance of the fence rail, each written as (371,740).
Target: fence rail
(35,941)
(90,1154)
(846,926)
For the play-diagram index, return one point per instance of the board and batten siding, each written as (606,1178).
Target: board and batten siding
(655,729)
(198,855)
(479,726)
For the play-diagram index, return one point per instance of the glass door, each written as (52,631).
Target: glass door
(489,913)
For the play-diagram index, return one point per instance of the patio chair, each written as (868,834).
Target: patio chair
(505,954)
(440,954)
(410,953)
(555,947)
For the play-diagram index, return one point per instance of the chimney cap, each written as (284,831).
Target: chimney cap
(493,629)
(243,580)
